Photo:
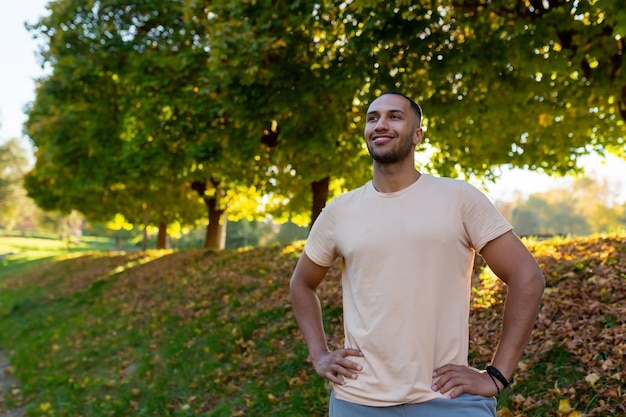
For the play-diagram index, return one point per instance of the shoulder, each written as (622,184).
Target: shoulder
(340,205)
(455,191)
(446,184)
(351,197)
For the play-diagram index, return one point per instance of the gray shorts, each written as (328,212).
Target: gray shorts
(466,405)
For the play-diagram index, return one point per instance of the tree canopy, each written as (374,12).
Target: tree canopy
(256,105)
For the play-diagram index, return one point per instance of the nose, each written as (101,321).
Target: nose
(381,124)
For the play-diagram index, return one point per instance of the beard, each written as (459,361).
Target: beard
(398,153)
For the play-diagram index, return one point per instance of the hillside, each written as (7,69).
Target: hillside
(203,333)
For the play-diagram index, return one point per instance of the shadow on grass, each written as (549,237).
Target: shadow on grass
(13,265)
(20,253)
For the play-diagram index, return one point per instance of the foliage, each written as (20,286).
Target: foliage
(13,201)
(530,84)
(199,332)
(149,98)
(291,77)
(585,206)
(93,154)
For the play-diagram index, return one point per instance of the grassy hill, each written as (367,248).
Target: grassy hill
(203,333)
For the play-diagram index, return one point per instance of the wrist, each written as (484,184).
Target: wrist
(496,375)
(495,382)
(317,354)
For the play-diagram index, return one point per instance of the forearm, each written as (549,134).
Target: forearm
(520,313)
(308,312)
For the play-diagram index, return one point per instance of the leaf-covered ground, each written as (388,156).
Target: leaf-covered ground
(202,333)
(576,360)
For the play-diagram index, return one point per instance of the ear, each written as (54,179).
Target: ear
(418,135)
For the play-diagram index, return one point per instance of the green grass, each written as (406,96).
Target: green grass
(134,338)
(20,252)
(205,333)
(35,244)
(556,368)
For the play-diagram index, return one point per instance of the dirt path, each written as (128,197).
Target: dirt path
(8,383)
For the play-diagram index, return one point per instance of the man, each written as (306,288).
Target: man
(407,241)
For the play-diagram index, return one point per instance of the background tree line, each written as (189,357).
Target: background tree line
(187,112)
(584,206)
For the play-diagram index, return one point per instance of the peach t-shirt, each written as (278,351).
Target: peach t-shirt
(407,262)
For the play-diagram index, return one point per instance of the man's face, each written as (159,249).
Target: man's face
(391,129)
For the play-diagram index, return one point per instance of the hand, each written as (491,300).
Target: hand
(455,380)
(334,366)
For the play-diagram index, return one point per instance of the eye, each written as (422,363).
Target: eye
(372,119)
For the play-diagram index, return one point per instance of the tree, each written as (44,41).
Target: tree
(86,121)
(525,222)
(595,202)
(495,79)
(285,67)
(585,206)
(165,126)
(499,82)
(13,163)
(268,96)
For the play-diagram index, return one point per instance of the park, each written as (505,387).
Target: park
(182,150)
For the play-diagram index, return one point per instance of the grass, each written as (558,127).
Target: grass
(107,344)
(205,333)
(20,252)
(555,368)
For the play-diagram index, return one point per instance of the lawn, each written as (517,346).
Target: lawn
(18,252)
(206,333)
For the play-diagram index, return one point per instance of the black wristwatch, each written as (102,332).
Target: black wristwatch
(494,372)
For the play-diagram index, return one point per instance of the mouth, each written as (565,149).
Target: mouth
(381,139)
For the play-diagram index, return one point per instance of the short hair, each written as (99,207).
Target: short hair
(416,108)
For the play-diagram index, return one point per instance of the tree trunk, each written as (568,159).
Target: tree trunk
(161,242)
(213,235)
(320,195)
(213,238)
(146,219)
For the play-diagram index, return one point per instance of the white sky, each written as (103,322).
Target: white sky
(20,68)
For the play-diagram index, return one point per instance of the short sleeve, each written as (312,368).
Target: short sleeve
(481,219)
(320,245)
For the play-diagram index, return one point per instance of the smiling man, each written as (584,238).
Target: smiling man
(407,242)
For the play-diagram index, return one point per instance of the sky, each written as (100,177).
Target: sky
(20,68)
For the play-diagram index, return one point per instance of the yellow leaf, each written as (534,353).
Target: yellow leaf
(505,412)
(44,407)
(564,407)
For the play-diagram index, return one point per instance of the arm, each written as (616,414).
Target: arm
(509,259)
(306,305)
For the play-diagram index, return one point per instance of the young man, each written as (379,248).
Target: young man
(407,241)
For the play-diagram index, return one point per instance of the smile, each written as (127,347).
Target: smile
(381,139)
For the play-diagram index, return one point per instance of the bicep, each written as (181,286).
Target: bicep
(509,259)
(307,273)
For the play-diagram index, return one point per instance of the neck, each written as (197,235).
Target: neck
(389,180)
